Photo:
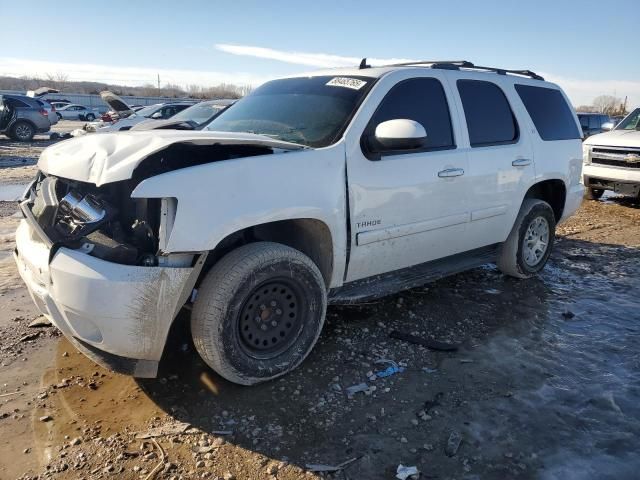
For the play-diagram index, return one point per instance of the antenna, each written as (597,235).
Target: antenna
(363,64)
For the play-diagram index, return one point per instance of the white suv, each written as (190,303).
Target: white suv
(334,186)
(612,159)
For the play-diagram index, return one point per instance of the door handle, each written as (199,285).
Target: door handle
(521,162)
(451,172)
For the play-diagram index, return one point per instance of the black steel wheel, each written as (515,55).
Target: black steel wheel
(259,312)
(271,318)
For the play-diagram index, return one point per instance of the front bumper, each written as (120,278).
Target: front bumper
(119,315)
(612,178)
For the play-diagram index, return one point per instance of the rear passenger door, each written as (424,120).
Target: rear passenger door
(406,207)
(500,154)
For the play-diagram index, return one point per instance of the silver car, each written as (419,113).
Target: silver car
(76,112)
(21,117)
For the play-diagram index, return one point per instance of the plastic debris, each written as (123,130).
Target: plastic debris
(353,389)
(429,370)
(425,342)
(315,467)
(392,369)
(407,472)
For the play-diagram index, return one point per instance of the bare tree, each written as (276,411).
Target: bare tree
(58,80)
(606,104)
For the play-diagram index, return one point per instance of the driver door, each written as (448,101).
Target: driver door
(406,207)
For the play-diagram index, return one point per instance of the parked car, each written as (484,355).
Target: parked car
(593,123)
(57,104)
(76,112)
(196,117)
(21,117)
(612,159)
(335,186)
(160,111)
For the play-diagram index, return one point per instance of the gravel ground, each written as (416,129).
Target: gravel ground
(543,383)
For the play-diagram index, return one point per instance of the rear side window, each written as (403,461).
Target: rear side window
(490,120)
(422,100)
(15,103)
(550,113)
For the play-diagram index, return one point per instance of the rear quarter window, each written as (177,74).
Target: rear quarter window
(551,115)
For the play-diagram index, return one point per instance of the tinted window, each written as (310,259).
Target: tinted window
(422,100)
(14,102)
(550,113)
(490,120)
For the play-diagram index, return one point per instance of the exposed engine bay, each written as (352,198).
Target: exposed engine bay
(105,221)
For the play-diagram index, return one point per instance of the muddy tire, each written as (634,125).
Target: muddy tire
(527,249)
(22,131)
(593,193)
(259,312)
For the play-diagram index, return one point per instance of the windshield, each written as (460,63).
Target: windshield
(311,111)
(199,113)
(631,122)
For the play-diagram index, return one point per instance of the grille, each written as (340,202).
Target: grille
(616,157)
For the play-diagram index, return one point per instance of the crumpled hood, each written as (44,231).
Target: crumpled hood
(616,138)
(112,157)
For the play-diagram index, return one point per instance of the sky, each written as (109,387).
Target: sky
(587,47)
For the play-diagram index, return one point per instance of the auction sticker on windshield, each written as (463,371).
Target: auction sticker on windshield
(346,82)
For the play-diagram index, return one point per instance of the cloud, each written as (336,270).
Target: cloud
(580,91)
(132,76)
(319,60)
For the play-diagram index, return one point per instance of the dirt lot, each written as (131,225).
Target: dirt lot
(544,383)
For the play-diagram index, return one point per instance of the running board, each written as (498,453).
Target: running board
(411,277)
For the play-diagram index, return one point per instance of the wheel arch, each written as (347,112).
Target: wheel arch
(308,235)
(552,191)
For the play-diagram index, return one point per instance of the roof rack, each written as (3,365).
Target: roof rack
(458,64)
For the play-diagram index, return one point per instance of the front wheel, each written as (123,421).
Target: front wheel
(527,249)
(259,312)
(90,117)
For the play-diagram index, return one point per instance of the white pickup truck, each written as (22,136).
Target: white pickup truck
(612,159)
(335,186)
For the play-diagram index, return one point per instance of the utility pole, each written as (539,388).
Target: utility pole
(158,84)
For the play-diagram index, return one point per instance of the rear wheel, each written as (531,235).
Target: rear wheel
(90,117)
(259,312)
(593,193)
(527,249)
(22,131)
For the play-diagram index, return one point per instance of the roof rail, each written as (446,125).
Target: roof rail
(458,64)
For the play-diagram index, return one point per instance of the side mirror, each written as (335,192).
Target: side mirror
(607,126)
(157,115)
(400,134)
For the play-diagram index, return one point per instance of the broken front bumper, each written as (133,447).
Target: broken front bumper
(119,315)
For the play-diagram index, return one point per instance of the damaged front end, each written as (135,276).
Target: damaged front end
(104,222)
(91,259)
